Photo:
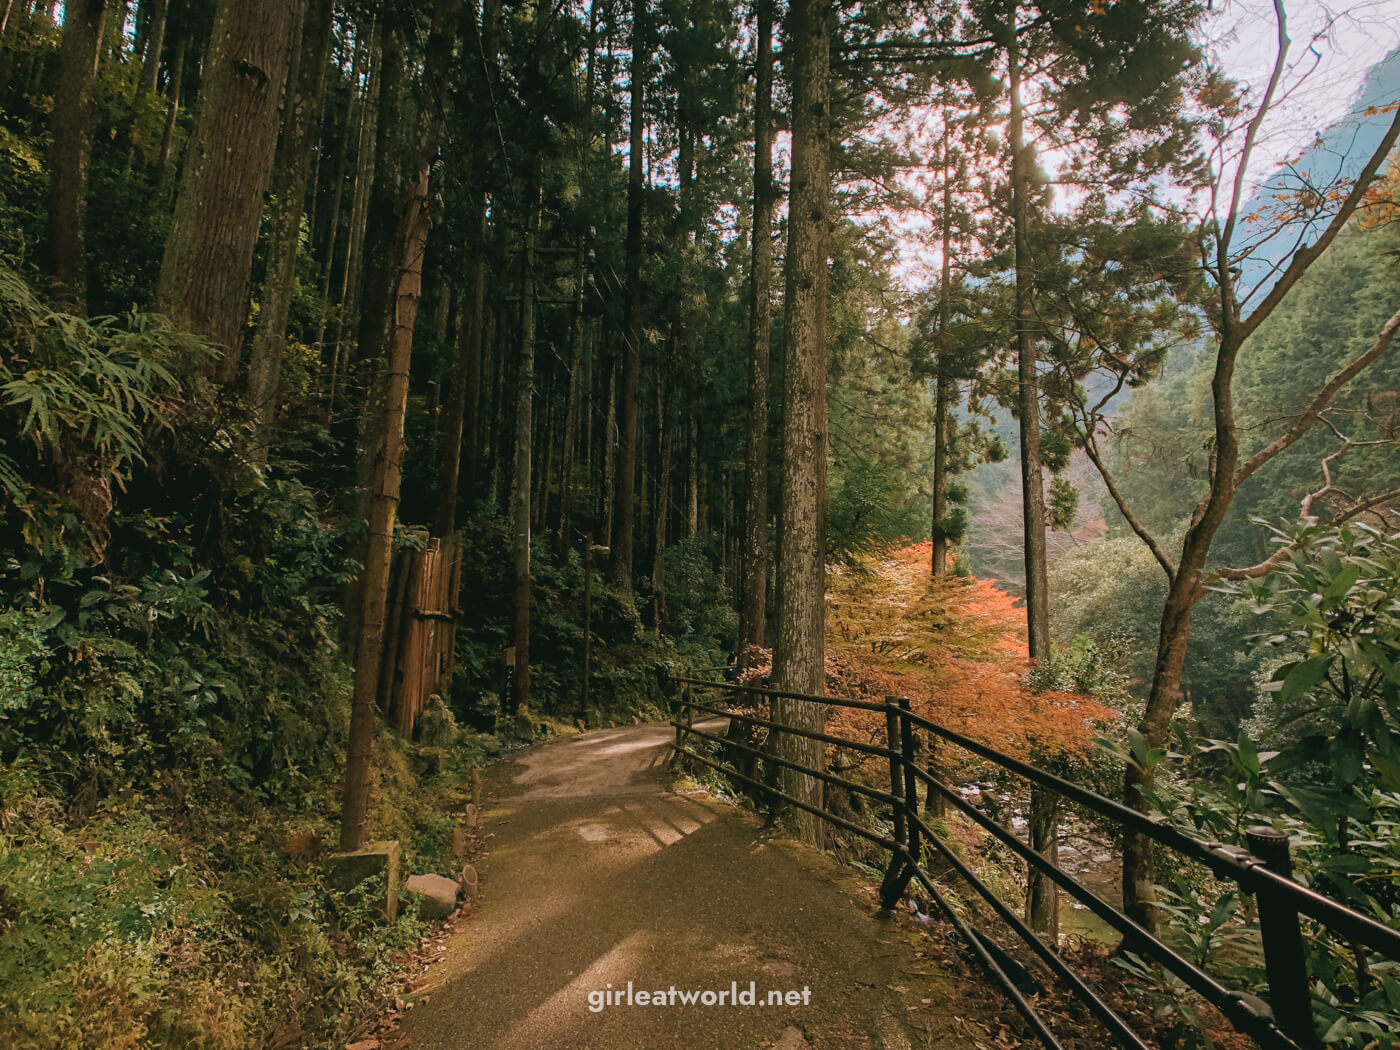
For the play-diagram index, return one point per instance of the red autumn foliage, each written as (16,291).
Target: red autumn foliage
(955,646)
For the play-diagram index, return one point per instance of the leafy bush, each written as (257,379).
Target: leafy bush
(1333,605)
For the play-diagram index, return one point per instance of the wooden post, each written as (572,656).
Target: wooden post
(587,619)
(1284,961)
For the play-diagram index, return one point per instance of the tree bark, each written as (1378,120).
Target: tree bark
(388,479)
(1032,481)
(70,154)
(942,380)
(289,184)
(151,44)
(624,509)
(1043,899)
(520,488)
(799,652)
(665,425)
(753,608)
(459,428)
(204,274)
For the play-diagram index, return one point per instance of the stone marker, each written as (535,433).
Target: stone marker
(469,882)
(439,895)
(348,870)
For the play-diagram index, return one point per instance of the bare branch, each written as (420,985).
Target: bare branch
(1320,402)
(1242,169)
(1091,447)
(1368,504)
(1255,572)
(1305,257)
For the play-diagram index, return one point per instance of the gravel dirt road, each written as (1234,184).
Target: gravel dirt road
(596,873)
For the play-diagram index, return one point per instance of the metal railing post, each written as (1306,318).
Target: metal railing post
(908,750)
(1290,995)
(894,881)
(682,733)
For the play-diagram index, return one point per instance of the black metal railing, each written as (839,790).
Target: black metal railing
(1264,870)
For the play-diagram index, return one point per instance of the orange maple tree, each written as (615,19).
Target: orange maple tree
(955,646)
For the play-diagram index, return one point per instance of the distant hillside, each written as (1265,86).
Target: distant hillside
(1337,154)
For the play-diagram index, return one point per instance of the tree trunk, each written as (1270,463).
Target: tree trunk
(940,472)
(942,382)
(520,488)
(150,40)
(573,395)
(607,511)
(665,424)
(624,509)
(289,184)
(152,44)
(70,155)
(459,428)
(388,478)
(351,276)
(546,430)
(203,284)
(753,607)
(1032,483)
(165,165)
(1139,869)
(1043,897)
(376,282)
(578,393)
(799,652)
(351,121)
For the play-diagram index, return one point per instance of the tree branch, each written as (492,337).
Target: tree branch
(1091,448)
(1320,402)
(1304,257)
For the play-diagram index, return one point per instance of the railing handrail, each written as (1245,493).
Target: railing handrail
(736,687)
(1233,862)
(1281,898)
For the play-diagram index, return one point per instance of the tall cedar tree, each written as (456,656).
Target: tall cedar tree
(290,177)
(70,153)
(799,663)
(411,244)
(753,591)
(624,509)
(204,274)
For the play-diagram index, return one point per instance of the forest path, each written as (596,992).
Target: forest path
(597,873)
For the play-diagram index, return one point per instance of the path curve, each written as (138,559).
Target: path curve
(597,874)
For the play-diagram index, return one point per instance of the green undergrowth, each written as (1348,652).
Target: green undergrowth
(159,920)
(174,711)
